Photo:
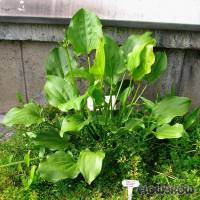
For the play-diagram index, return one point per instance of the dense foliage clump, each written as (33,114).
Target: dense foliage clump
(86,141)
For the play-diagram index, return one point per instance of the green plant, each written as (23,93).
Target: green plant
(75,138)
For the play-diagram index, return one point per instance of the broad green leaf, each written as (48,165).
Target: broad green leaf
(84,31)
(191,117)
(114,61)
(82,73)
(147,60)
(158,67)
(134,123)
(137,54)
(28,115)
(50,138)
(58,166)
(170,107)
(167,131)
(74,103)
(148,103)
(90,164)
(73,123)
(57,63)
(98,67)
(58,91)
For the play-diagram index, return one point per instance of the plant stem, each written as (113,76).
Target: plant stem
(120,87)
(141,93)
(109,107)
(89,65)
(129,90)
(135,101)
(136,92)
(91,125)
(19,162)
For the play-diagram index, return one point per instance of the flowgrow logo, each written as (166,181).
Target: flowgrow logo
(156,189)
(166,189)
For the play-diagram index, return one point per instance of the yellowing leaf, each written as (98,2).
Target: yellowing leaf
(138,50)
(158,67)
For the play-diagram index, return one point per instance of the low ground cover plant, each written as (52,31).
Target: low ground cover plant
(107,128)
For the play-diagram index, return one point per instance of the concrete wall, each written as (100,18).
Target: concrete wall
(24,49)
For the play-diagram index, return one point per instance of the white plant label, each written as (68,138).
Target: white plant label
(90,103)
(130,184)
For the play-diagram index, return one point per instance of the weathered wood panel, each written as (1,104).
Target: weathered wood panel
(190,77)
(22,63)
(55,33)
(171,78)
(182,74)
(34,58)
(11,74)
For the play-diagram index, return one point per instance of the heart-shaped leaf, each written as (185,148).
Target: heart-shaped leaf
(90,164)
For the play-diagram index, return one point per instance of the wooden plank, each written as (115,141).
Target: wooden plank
(172,14)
